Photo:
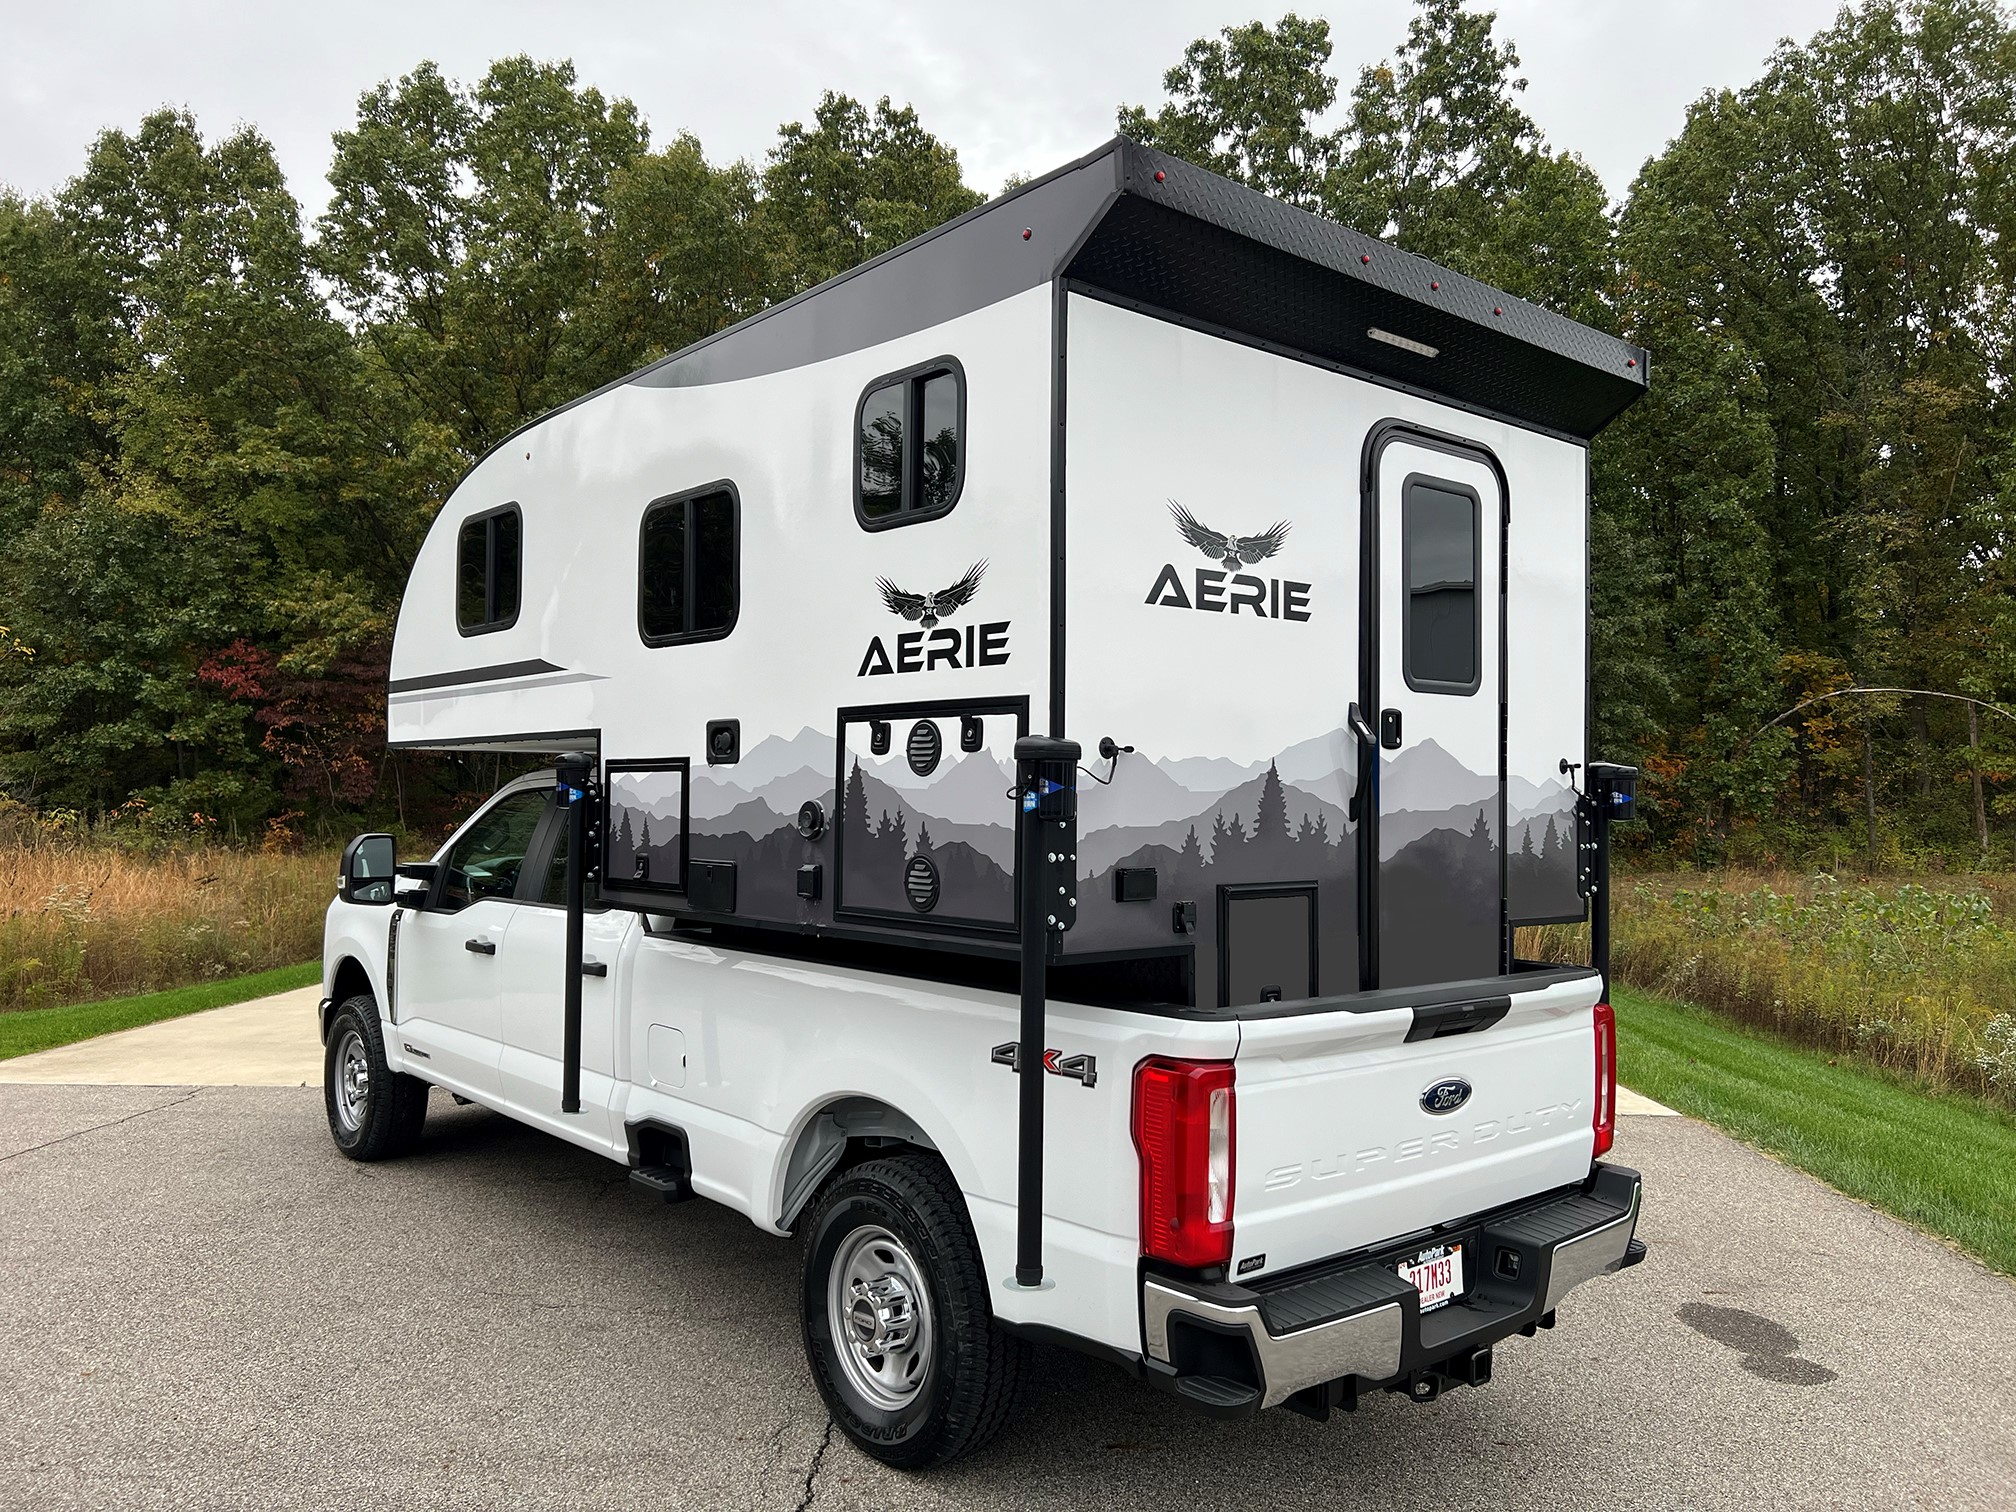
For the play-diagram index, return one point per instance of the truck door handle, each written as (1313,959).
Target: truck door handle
(595,968)
(482,947)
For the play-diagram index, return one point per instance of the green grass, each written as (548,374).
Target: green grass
(1944,1162)
(30,1029)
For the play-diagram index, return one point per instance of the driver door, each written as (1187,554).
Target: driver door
(447,997)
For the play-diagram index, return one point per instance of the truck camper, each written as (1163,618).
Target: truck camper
(1053,731)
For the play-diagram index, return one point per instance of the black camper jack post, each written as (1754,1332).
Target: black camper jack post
(574,777)
(1612,796)
(1046,783)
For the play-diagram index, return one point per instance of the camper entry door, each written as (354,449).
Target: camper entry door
(1435,698)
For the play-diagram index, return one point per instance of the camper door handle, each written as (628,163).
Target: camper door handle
(480,947)
(1361,727)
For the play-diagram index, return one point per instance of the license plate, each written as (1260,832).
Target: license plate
(1437,1274)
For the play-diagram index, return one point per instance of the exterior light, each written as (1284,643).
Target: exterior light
(1418,348)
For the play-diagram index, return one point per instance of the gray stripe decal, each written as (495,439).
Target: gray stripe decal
(473,675)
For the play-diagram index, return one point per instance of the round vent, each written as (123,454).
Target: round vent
(920,881)
(925,746)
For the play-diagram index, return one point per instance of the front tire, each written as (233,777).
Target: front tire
(375,1113)
(898,1330)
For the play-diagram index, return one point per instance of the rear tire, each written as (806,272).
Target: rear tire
(375,1113)
(898,1329)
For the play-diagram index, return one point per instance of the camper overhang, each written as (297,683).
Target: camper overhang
(1140,227)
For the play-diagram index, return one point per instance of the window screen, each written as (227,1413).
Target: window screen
(910,445)
(688,567)
(1439,546)
(487,554)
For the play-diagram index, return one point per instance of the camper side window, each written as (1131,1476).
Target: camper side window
(1440,539)
(909,445)
(689,567)
(487,571)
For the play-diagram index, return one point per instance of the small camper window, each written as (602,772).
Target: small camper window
(1439,540)
(688,567)
(487,571)
(909,445)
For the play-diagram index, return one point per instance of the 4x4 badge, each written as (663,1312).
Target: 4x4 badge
(1083,1068)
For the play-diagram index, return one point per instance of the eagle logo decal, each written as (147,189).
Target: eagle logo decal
(1233,552)
(929,608)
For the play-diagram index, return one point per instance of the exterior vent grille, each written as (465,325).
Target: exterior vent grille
(920,881)
(924,747)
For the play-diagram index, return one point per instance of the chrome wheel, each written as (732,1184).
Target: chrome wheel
(353,1081)
(880,1312)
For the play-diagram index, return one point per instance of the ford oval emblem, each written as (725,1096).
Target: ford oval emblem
(1446,1096)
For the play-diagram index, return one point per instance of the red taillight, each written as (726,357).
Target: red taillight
(1183,1127)
(1606,1078)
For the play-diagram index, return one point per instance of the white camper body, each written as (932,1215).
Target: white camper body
(1295,525)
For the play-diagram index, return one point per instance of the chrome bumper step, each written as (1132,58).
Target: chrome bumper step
(1358,1319)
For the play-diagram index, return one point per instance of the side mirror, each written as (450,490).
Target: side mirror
(369,863)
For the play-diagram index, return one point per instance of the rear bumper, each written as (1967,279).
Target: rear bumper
(1355,1323)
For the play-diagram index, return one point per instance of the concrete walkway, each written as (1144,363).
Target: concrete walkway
(268,1042)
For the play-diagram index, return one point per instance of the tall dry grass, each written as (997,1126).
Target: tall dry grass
(81,920)
(1917,977)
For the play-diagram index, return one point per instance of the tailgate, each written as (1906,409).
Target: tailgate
(1336,1149)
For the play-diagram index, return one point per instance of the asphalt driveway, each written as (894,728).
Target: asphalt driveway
(203,1306)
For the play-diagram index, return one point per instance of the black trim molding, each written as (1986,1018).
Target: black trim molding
(497,673)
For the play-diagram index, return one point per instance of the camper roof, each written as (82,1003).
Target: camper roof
(1146,229)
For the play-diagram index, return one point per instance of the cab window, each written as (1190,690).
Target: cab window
(486,859)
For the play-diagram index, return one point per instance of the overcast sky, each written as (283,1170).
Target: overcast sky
(1016,88)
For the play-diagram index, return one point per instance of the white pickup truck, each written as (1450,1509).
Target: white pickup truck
(1277,1204)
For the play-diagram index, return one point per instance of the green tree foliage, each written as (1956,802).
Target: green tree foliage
(1816,489)
(850,187)
(1243,104)
(1434,154)
(222,436)
(214,475)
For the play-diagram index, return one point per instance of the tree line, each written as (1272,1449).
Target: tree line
(224,427)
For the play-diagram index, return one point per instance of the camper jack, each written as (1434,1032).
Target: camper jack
(1209,1053)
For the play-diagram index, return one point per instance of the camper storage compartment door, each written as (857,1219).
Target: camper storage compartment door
(1266,944)
(925,835)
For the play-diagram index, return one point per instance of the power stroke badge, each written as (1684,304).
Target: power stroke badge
(936,644)
(1225,589)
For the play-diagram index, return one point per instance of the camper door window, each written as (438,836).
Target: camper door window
(909,445)
(1440,540)
(689,566)
(487,554)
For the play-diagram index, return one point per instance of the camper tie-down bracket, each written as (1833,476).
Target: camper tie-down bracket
(1046,776)
(575,785)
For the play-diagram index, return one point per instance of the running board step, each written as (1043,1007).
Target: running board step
(1218,1393)
(669,1182)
